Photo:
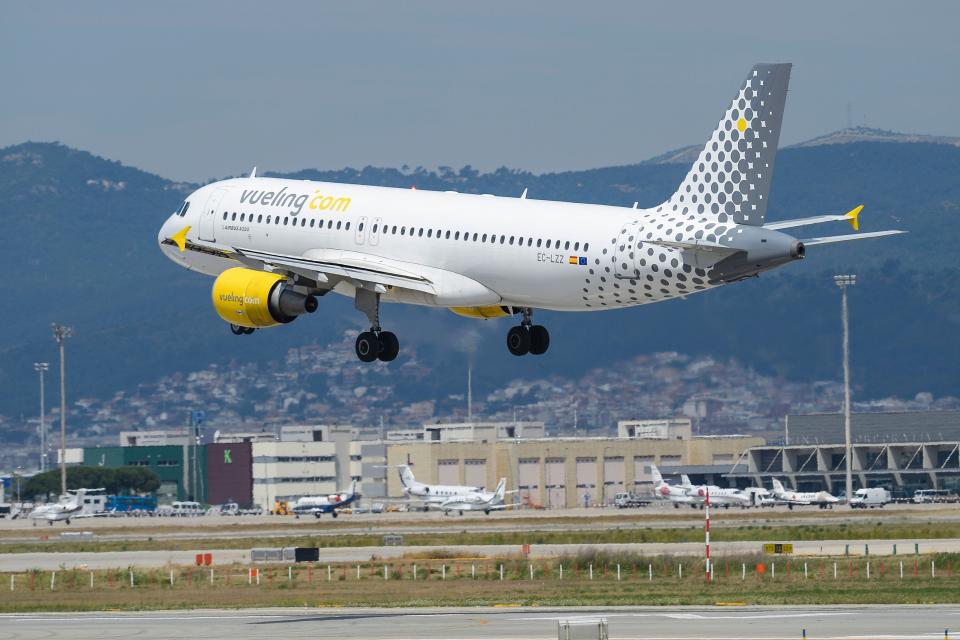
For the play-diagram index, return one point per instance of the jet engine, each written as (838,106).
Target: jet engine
(257,299)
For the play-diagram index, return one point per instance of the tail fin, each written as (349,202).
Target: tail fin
(685,480)
(730,181)
(501,489)
(656,475)
(777,487)
(406,477)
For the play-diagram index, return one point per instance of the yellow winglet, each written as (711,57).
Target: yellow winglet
(180,237)
(852,218)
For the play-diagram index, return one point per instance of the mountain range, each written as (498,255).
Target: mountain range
(81,250)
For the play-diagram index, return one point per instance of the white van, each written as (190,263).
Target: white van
(870,498)
(186,509)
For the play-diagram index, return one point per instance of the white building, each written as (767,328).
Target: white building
(662,429)
(157,437)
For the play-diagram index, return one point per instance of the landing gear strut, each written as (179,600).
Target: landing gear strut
(375,343)
(528,337)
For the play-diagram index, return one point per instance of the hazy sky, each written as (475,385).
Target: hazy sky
(194,90)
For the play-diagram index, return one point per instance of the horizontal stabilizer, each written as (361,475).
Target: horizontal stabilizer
(719,249)
(851,216)
(809,242)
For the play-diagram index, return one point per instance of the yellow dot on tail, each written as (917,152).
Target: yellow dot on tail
(741,125)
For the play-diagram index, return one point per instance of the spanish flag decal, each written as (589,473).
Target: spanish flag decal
(574,260)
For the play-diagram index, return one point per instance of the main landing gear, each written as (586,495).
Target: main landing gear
(528,337)
(374,344)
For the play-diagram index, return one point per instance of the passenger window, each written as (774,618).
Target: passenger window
(529,242)
(520,241)
(339,224)
(548,244)
(447,235)
(268,219)
(286,221)
(503,239)
(456,236)
(539,240)
(420,232)
(329,224)
(576,246)
(374,227)
(312,222)
(511,240)
(566,245)
(303,222)
(259,218)
(586,246)
(224,215)
(429,233)
(394,230)
(234,216)
(484,238)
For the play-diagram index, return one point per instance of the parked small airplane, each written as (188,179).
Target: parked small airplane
(319,505)
(432,494)
(72,505)
(479,501)
(821,498)
(676,494)
(718,496)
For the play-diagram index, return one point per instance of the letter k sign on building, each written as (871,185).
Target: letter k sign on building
(226,457)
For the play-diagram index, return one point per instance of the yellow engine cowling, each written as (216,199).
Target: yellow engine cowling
(257,299)
(482,313)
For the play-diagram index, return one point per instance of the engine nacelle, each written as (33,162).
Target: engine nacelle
(257,299)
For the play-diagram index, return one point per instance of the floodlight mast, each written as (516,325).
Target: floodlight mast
(844,281)
(41,367)
(60,334)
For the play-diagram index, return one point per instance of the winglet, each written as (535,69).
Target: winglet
(852,218)
(180,237)
(523,196)
(253,174)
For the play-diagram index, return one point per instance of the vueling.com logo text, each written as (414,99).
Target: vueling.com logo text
(294,201)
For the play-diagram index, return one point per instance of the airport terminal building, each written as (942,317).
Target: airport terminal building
(902,452)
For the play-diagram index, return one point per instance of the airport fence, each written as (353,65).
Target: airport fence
(753,571)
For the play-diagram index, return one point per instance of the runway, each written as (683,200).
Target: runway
(886,622)
(16,562)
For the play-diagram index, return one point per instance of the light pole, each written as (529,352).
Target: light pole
(60,334)
(844,281)
(41,367)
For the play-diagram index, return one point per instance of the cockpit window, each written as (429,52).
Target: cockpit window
(183,209)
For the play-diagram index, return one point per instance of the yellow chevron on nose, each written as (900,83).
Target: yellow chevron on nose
(180,237)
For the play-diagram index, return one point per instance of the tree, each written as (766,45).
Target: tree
(122,480)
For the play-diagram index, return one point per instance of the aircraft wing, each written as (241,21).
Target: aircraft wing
(321,264)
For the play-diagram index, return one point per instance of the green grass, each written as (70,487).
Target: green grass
(877,530)
(782,582)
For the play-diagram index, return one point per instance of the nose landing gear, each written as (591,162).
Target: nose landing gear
(528,337)
(237,330)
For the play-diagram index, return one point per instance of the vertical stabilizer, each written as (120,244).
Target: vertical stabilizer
(655,475)
(730,180)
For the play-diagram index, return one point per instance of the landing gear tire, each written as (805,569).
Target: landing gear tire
(237,330)
(368,346)
(539,339)
(518,340)
(389,346)
(334,513)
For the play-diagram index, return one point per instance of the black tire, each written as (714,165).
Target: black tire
(389,346)
(518,340)
(334,513)
(248,330)
(368,346)
(237,330)
(539,339)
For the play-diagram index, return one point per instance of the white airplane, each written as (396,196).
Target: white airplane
(433,494)
(275,246)
(319,505)
(821,498)
(485,501)
(719,496)
(69,506)
(676,494)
